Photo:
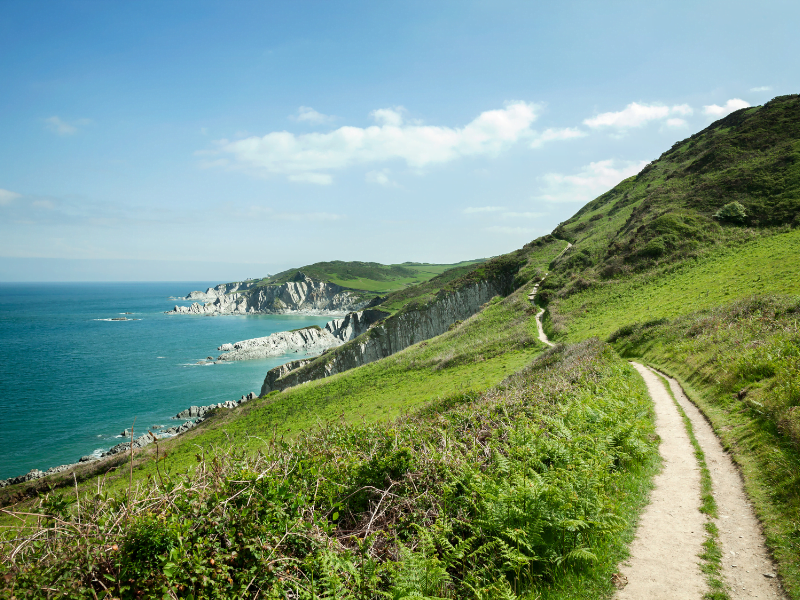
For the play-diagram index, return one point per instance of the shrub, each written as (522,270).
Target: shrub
(732,212)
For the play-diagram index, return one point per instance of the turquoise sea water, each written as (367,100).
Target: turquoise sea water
(70,381)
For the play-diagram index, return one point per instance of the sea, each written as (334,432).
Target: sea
(72,380)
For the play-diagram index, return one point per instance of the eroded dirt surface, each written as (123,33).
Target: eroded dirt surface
(747,566)
(664,554)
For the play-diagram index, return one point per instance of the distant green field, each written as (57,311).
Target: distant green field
(761,266)
(369,276)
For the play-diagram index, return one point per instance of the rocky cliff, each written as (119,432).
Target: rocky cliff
(302,295)
(222,289)
(399,331)
(310,340)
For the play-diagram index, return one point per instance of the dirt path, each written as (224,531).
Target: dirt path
(745,558)
(542,335)
(664,554)
(664,560)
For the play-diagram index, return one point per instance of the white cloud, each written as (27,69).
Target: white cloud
(318,178)
(550,135)
(512,230)
(255,212)
(523,215)
(380,177)
(762,88)
(7,197)
(306,114)
(61,127)
(392,117)
(714,110)
(676,123)
(592,180)
(636,115)
(471,210)
(302,157)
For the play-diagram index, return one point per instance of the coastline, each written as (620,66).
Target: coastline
(194,415)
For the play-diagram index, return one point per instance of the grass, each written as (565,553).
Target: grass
(369,276)
(741,365)
(762,265)
(522,491)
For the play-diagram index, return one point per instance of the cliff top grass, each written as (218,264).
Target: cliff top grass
(368,276)
(530,488)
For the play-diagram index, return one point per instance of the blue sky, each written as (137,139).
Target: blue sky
(221,140)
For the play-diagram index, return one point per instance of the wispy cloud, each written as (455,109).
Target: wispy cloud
(306,114)
(254,212)
(714,110)
(471,210)
(306,157)
(550,135)
(380,177)
(636,115)
(512,230)
(762,88)
(7,197)
(61,127)
(591,181)
(523,215)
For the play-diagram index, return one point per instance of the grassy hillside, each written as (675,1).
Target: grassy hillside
(478,464)
(527,489)
(369,276)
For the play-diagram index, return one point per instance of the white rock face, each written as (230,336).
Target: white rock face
(213,293)
(389,336)
(307,341)
(302,296)
(310,340)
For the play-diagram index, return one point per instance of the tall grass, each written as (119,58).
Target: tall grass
(511,493)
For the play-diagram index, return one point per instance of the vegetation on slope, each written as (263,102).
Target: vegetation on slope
(506,272)
(666,212)
(368,276)
(526,489)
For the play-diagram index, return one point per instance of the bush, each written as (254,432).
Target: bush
(732,212)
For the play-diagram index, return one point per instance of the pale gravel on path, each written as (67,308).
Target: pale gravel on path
(664,554)
(745,557)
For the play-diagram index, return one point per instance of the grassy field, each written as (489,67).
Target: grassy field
(528,490)
(762,265)
(369,276)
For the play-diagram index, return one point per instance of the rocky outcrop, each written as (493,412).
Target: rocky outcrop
(354,324)
(391,335)
(310,340)
(302,295)
(222,289)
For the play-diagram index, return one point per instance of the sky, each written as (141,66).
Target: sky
(214,141)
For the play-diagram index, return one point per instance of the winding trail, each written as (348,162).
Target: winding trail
(664,561)
(664,558)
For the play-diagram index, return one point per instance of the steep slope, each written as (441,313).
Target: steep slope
(423,312)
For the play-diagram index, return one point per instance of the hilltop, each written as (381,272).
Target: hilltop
(476,462)
(369,276)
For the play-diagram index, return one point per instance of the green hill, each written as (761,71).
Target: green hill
(479,463)
(369,276)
